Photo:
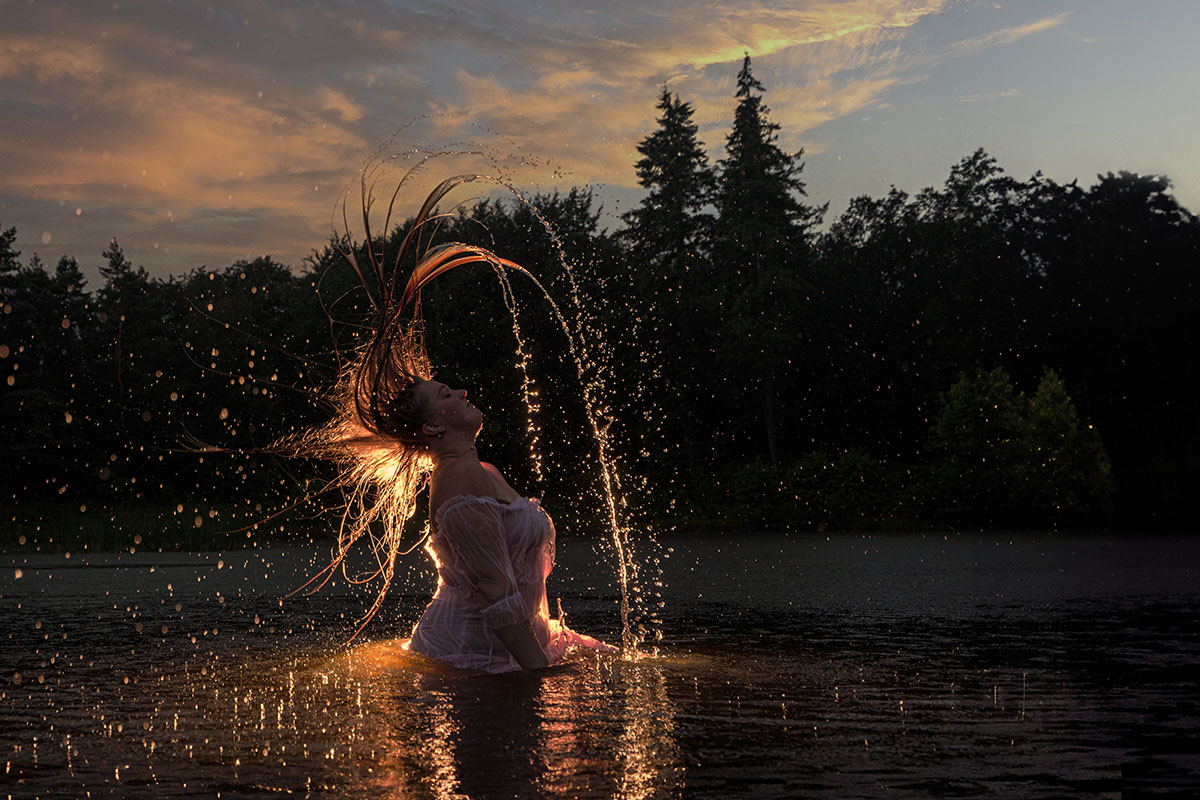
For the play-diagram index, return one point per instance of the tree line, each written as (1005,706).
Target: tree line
(991,352)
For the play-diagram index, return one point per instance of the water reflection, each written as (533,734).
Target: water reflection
(593,726)
(379,721)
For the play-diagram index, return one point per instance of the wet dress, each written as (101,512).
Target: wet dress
(476,537)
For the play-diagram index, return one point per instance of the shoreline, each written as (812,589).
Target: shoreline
(47,527)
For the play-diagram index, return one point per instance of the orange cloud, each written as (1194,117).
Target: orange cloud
(183,146)
(801,108)
(586,135)
(332,100)
(47,58)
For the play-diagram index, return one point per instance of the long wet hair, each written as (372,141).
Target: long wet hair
(374,435)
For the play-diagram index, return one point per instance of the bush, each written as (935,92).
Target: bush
(1000,458)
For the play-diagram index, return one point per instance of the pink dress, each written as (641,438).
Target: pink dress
(478,536)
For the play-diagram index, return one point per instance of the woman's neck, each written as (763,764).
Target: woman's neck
(467,454)
(455,453)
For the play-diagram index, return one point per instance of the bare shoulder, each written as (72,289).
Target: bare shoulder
(461,479)
(509,492)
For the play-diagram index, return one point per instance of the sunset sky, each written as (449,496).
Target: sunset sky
(199,133)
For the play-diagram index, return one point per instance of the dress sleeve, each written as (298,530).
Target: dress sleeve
(475,530)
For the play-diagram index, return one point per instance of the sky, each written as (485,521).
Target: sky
(200,133)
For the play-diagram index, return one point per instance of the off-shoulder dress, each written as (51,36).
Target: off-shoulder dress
(474,537)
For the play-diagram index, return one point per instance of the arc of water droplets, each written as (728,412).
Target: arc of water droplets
(626,569)
(529,390)
(580,355)
(611,487)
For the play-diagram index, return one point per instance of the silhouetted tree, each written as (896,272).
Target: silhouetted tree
(668,228)
(668,292)
(762,225)
(8,256)
(761,251)
(1001,458)
(1125,320)
(1070,477)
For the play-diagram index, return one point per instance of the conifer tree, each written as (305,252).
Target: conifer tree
(668,235)
(9,255)
(116,267)
(668,227)
(123,288)
(762,222)
(763,229)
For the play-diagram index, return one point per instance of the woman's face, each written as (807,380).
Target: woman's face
(449,407)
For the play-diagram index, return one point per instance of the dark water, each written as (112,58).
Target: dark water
(971,665)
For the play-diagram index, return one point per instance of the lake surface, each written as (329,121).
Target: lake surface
(893,665)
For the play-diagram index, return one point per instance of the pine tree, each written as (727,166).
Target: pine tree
(763,230)
(667,229)
(117,266)
(69,277)
(9,256)
(762,222)
(668,235)
(123,288)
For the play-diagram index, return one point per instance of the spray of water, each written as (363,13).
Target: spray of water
(585,348)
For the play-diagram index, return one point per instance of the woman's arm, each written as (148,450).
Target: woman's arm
(495,591)
(522,643)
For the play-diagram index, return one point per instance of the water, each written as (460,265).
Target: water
(1023,665)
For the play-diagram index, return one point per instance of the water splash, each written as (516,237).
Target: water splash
(598,427)
(584,345)
(585,348)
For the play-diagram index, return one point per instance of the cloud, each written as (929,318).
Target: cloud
(46,59)
(1005,36)
(802,108)
(238,119)
(333,100)
(162,138)
(975,98)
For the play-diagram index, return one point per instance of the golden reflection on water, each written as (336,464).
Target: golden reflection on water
(377,720)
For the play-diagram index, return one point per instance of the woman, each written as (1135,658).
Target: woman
(493,551)
(397,431)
